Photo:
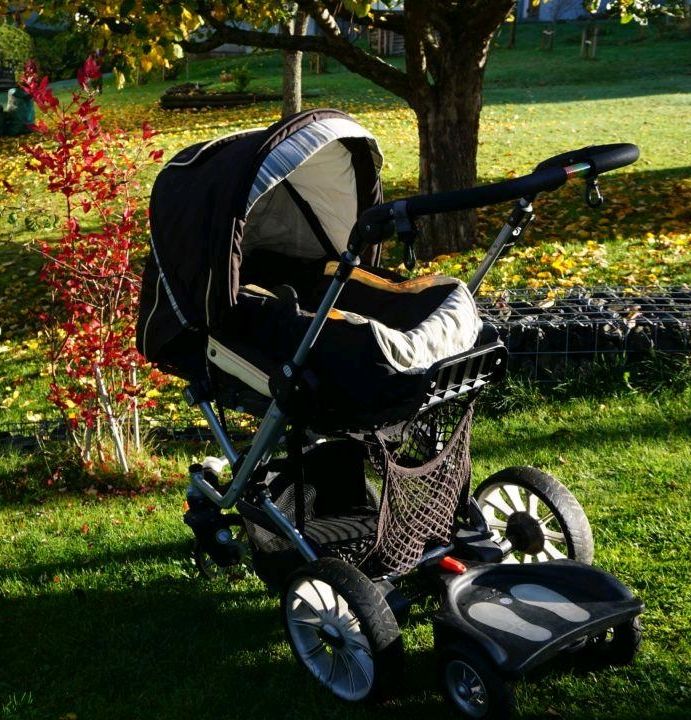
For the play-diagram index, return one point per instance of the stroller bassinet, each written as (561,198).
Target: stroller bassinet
(245,234)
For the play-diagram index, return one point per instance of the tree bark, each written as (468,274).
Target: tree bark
(448,118)
(292,67)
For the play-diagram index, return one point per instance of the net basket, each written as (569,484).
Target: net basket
(426,474)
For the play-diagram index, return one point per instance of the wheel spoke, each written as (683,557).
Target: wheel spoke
(352,656)
(496,501)
(349,672)
(497,525)
(332,670)
(553,552)
(533,502)
(360,641)
(311,623)
(320,595)
(514,494)
(553,535)
(305,602)
(314,651)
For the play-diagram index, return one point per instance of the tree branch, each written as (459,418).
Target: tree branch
(355,59)
(379,19)
(331,43)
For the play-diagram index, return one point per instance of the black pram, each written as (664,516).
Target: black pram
(359,473)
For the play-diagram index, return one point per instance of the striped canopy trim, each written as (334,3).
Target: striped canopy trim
(292,152)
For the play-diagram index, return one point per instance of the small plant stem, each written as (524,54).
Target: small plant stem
(114,429)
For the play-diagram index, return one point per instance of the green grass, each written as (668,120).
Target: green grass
(101,614)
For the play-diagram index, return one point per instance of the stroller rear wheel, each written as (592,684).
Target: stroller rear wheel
(341,628)
(539,515)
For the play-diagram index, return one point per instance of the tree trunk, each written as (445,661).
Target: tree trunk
(292,67)
(448,122)
(292,82)
(514,26)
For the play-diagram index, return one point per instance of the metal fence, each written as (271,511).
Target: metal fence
(549,331)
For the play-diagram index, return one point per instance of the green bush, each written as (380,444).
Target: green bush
(15,46)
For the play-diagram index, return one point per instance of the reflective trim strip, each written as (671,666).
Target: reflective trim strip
(238,367)
(413,286)
(207,146)
(258,290)
(300,146)
(169,292)
(151,314)
(206,298)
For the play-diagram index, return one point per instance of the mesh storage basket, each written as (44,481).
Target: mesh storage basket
(426,472)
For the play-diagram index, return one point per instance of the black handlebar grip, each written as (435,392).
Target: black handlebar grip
(604,158)
(601,158)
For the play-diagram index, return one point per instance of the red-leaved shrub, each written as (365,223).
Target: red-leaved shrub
(95,369)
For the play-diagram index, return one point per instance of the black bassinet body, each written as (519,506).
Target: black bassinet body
(245,232)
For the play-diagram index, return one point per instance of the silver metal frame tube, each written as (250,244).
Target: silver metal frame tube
(217,429)
(274,422)
(290,531)
(497,247)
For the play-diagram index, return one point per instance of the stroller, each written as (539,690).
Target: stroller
(354,496)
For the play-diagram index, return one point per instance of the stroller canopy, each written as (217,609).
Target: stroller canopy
(294,189)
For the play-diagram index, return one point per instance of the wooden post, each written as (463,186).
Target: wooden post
(547,40)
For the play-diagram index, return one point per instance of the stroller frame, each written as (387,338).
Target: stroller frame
(459,636)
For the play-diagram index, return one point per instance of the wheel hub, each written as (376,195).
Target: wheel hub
(467,690)
(524,533)
(331,636)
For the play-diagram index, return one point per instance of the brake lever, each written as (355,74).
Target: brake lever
(593,196)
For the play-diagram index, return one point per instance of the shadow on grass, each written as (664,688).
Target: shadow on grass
(175,649)
(167,650)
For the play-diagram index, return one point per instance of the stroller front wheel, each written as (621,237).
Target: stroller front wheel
(539,515)
(341,628)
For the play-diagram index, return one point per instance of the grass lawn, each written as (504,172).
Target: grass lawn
(103,617)
(101,614)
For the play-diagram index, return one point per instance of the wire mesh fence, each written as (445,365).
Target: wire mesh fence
(549,331)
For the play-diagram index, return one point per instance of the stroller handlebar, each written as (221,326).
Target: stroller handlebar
(601,158)
(379,222)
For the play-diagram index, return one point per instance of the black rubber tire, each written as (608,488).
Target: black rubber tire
(620,645)
(499,694)
(377,622)
(206,567)
(567,510)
